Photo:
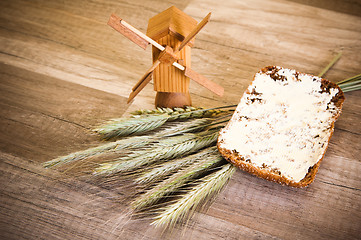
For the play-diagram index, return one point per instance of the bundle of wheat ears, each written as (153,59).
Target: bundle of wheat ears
(168,155)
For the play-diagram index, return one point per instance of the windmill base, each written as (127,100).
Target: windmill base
(172,99)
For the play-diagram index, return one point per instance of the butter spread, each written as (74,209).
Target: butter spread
(282,125)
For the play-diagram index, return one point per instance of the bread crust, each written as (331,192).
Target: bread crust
(238,160)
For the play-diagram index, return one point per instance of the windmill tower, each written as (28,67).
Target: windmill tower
(171,34)
(169,28)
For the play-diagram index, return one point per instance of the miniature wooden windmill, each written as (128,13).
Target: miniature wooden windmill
(172,35)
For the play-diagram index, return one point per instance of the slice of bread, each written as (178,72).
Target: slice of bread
(282,126)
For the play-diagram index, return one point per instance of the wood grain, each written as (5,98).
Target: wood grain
(63,70)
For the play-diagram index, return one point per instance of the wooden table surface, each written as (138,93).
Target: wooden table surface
(63,70)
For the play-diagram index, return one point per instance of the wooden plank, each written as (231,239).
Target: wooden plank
(348,7)
(321,211)
(43,117)
(33,195)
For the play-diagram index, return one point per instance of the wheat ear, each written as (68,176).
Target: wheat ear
(162,110)
(200,192)
(176,181)
(167,168)
(112,146)
(127,126)
(200,113)
(185,113)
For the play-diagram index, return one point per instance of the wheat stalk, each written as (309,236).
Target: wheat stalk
(176,181)
(133,142)
(167,149)
(213,122)
(147,122)
(200,192)
(331,63)
(153,151)
(174,128)
(167,168)
(350,84)
(347,85)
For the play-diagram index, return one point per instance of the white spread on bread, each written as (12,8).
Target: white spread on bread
(282,124)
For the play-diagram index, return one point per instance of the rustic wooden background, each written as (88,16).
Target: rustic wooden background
(63,70)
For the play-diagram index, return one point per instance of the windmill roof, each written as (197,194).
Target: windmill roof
(171,21)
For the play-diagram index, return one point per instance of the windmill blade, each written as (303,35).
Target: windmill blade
(132,33)
(128,31)
(136,36)
(205,82)
(143,81)
(193,33)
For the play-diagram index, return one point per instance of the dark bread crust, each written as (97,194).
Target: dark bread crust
(239,161)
